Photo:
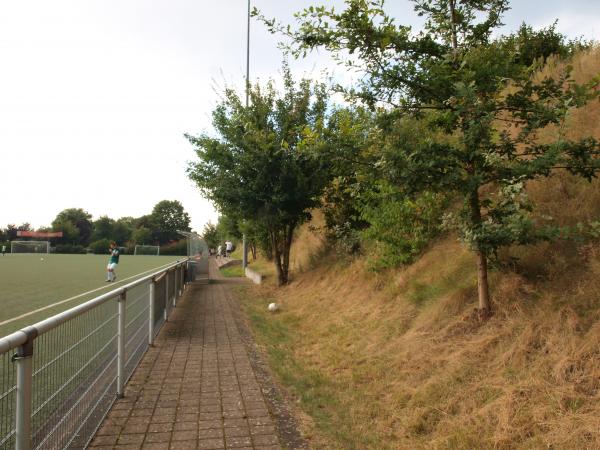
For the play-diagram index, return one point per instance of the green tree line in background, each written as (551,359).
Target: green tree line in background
(439,133)
(82,234)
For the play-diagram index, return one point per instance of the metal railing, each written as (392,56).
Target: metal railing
(59,377)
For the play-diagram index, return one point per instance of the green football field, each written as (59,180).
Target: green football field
(32,281)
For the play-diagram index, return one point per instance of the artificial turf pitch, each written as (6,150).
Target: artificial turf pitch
(32,281)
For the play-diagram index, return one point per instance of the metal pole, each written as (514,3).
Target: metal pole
(175,287)
(166,295)
(244,244)
(121,346)
(151,314)
(24,361)
(244,252)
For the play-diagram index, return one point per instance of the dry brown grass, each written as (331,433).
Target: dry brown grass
(414,373)
(406,364)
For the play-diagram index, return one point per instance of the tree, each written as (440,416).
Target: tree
(211,235)
(167,217)
(122,230)
(460,81)
(103,228)
(80,220)
(141,236)
(11,232)
(259,167)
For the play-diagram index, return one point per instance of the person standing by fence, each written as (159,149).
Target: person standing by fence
(112,262)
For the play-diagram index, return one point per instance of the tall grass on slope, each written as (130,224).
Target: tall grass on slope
(396,361)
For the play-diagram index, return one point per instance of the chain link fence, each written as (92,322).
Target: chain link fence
(60,377)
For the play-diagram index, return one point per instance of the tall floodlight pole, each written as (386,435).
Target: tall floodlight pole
(244,243)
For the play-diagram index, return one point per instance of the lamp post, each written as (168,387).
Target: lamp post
(244,243)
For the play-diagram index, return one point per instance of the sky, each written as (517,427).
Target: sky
(96,95)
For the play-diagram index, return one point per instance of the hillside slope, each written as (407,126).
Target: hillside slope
(398,359)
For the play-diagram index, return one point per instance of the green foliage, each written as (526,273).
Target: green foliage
(69,230)
(100,247)
(73,219)
(103,228)
(351,146)
(535,46)
(174,248)
(261,166)
(210,234)
(142,236)
(467,85)
(167,217)
(70,249)
(401,226)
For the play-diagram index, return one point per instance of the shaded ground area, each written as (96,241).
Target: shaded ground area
(202,386)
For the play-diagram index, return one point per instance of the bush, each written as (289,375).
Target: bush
(178,248)
(401,226)
(100,246)
(70,249)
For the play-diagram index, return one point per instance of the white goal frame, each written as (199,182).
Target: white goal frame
(157,247)
(44,246)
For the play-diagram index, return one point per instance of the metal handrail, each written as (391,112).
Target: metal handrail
(24,341)
(19,338)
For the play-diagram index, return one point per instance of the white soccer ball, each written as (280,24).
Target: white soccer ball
(273,307)
(41,259)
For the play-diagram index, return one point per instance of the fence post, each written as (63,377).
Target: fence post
(175,287)
(24,361)
(121,346)
(151,314)
(166,294)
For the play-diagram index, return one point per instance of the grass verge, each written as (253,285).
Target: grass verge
(232,271)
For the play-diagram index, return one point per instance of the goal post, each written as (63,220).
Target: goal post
(146,250)
(30,246)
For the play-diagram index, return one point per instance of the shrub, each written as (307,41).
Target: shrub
(175,248)
(400,226)
(100,246)
(71,249)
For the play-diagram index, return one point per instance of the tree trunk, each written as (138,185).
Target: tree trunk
(253,250)
(287,245)
(482,284)
(281,242)
(277,260)
(483,289)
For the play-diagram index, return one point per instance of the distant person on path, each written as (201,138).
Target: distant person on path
(228,248)
(112,262)
(219,250)
(3,250)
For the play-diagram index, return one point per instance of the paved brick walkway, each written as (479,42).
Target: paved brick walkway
(196,388)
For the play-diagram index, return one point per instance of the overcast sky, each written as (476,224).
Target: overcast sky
(95,95)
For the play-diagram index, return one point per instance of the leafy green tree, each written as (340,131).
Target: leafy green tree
(100,247)
(11,232)
(103,228)
(260,167)
(142,236)
(70,232)
(79,219)
(122,231)
(469,86)
(167,217)
(538,45)
(211,235)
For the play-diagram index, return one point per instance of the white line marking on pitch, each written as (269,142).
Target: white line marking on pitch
(22,316)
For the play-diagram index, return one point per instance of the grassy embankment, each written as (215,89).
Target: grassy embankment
(397,359)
